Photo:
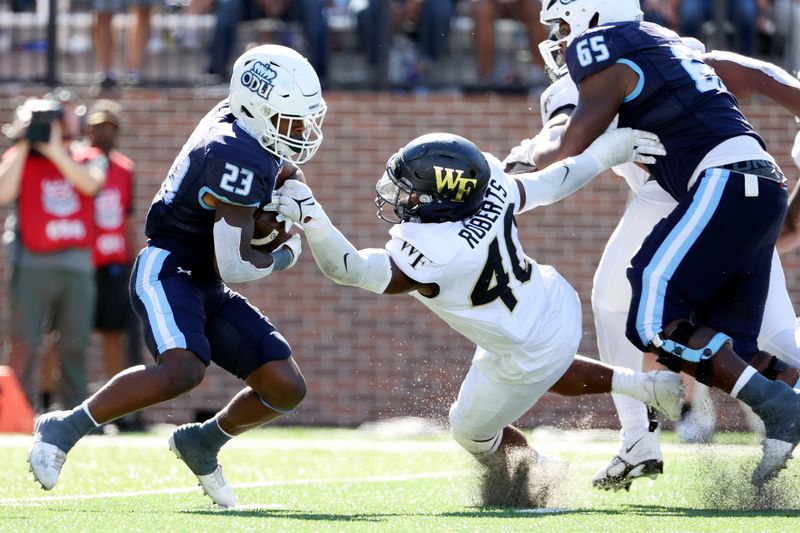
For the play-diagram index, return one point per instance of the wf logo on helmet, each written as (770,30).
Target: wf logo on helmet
(258,78)
(449,179)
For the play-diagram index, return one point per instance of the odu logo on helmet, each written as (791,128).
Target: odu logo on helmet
(450,179)
(258,78)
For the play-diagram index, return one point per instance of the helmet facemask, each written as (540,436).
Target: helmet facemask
(395,191)
(580,15)
(272,85)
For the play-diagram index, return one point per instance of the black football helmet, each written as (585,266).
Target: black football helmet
(438,177)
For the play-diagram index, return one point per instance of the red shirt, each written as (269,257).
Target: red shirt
(53,214)
(112,205)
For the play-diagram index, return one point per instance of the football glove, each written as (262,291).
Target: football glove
(296,202)
(621,145)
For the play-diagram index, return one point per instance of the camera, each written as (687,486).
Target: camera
(42,113)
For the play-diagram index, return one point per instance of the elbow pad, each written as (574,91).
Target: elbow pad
(232,268)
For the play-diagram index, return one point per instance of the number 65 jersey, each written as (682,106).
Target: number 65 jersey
(219,159)
(678,96)
(489,290)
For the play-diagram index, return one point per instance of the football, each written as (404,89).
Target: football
(268,233)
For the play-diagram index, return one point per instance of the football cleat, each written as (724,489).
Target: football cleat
(781,416)
(637,459)
(45,462)
(216,487)
(45,459)
(214,484)
(776,454)
(664,392)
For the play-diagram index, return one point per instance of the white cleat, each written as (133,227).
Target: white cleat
(776,454)
(637,459)
(664,393)
(214,485)
(45,462)
(218,489)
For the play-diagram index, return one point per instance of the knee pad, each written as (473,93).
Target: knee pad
(673,350)
(475,446)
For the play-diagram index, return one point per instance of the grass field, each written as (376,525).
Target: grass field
(346,480)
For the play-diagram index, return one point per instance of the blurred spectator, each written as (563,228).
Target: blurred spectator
(137,37)
(742,19)
(309,13)
(113,239)
(662,12)
(53,276)
(485,13)
(424,23)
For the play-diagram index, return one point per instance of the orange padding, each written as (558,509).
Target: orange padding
(16,415)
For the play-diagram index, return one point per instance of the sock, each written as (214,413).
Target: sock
(212,435)
(72,427)
(615,349)
(774,402)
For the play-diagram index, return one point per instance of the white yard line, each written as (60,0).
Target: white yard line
(256,484)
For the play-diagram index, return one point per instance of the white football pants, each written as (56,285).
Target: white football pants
(611,294)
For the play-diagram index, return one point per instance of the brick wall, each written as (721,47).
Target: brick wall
(366,356)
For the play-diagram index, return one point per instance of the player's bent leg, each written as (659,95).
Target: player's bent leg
(660,389)
(709,357)
(514,474)
(56,433)
(275,388)
(176,372)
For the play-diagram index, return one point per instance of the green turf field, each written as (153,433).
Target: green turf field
(346,480)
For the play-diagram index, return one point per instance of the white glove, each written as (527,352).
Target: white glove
(296,202)
(295,245)
(796,150)
(621,145)
(523,152)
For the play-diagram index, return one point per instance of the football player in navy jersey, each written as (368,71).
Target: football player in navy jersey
(640,454)
(199,228)
(455,249)
(699,280)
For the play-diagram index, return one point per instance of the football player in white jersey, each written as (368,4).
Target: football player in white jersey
(455,249)
(640,453)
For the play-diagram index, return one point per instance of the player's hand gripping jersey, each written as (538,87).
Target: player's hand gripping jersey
(220,159)
(678,97)
(489,290)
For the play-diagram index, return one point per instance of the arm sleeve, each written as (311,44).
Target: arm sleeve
(558,181)
(339,260)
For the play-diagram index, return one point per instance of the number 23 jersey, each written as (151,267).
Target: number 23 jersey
(219,159)
(489,291)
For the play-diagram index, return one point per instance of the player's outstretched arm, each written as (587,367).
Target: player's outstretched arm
(370,268)
(563,178)
(745,77)
(237,260)
(599,98)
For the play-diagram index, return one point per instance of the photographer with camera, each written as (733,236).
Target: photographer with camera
(53,281)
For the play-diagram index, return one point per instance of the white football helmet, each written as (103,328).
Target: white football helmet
(271,83)
(580,15)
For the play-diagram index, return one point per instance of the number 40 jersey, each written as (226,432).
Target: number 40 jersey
(489,290)
(222,160)
(678,97)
